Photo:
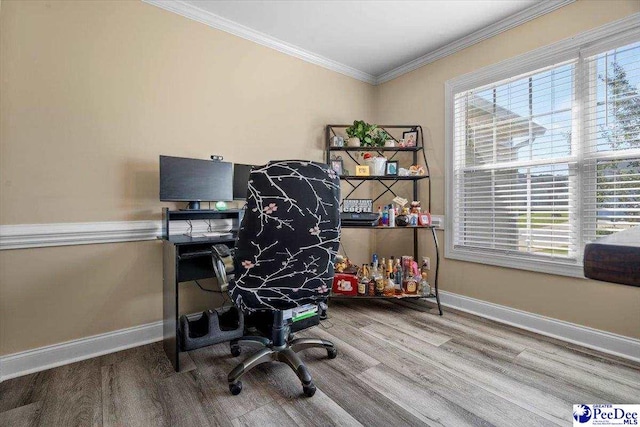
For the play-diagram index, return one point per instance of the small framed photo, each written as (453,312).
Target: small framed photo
(338,166)
(362,170)
(410,138)
(392,168)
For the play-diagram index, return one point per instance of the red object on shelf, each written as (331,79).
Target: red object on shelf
(345,284)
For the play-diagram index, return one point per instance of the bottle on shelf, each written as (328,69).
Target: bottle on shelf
(424,273)
(385,217)
(392,216)
(424,287)
(389,287)
(397,269)
(410,283)
(376,286)
(363,280)
(424,268)
(379,216)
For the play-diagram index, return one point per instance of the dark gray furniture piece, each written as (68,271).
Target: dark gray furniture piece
(386,184)
(186,259)
(614,258)
(284,259)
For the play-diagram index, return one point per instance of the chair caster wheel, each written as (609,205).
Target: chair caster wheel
(332,353)
(309,389)
(236,388)
(235,350)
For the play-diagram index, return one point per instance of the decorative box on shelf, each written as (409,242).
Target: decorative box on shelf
(345,284)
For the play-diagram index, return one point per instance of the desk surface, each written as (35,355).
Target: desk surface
(181,239)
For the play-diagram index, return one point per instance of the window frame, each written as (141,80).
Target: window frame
(615,34)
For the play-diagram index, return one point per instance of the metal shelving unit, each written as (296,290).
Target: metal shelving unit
(388,183)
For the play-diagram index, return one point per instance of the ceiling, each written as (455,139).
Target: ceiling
(367,39)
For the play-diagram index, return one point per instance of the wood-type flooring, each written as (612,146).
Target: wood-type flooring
(398,364)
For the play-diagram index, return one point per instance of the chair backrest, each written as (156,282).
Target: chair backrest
(288,238)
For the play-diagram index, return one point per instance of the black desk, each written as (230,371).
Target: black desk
(185,259)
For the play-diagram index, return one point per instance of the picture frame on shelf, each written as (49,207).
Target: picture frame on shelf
(410,138)
(338,166)
(362,170)
(391,169)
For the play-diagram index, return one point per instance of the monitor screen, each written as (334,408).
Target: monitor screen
(241,180)
(192,180)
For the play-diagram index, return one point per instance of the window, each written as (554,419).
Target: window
(544,154)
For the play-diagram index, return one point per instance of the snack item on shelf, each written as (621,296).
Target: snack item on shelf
(416,170)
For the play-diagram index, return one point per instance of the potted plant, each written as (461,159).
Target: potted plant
(360,134)
(380,138)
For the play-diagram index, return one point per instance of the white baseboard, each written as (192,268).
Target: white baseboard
(606,342)
(26,362)
(39,359)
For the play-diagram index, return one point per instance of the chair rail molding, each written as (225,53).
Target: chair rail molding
(25,236)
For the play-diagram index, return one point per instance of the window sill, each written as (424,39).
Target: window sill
(569,268)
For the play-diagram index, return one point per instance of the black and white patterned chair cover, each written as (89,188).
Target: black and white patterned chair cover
(288,238)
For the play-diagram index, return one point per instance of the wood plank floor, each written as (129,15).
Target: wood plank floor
(398,364)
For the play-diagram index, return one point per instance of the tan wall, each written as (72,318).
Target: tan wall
(418,97)
(91,93)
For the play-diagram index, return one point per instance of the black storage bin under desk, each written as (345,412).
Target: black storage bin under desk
(212,327)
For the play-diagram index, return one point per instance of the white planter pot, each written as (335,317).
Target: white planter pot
(353,142)
(376,165)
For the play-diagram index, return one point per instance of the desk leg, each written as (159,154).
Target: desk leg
(170,302)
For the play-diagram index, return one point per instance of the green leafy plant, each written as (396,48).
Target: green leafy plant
(380,137)
(363,131)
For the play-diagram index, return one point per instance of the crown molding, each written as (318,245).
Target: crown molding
(585,43)
(506,24)
(197,14)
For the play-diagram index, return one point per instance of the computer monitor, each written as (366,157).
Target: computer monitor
(241,180)
(195,180)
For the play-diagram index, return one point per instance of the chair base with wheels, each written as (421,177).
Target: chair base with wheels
(281,348)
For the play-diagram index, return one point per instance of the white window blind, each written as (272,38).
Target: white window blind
(545,161)
(515,167)
(612,141)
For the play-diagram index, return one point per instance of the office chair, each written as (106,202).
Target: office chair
(284,258)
